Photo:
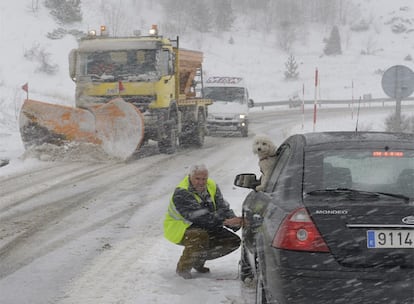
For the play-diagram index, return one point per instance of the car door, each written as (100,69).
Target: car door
(257,202)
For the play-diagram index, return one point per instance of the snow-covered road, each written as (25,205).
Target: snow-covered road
(91,232)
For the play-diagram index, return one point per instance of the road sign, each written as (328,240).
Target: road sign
(398,82)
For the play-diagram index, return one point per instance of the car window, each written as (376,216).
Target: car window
(283,154)
(391,172)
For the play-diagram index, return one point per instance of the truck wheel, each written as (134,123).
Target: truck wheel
(169,144)
(195,138)
(245,131)
(199,131)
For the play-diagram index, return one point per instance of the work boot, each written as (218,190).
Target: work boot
(201,269)
(184,269)
(185,274)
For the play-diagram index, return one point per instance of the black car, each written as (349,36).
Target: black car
(335,223)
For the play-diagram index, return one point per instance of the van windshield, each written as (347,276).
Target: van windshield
(229,94)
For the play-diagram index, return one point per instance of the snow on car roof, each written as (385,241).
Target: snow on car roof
(347,137)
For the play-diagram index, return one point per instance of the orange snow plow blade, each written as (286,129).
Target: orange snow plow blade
(117,126)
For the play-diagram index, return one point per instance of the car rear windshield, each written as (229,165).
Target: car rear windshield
(376,171)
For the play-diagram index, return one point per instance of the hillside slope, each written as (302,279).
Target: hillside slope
(252,55)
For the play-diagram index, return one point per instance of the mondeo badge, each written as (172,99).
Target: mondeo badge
(409,220)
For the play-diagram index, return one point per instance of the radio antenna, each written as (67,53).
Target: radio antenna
(359,105)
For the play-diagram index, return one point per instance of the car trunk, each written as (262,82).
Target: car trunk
(364,229)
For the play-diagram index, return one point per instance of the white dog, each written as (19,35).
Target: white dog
(266,150)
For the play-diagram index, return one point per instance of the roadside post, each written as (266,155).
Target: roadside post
(315,100)
(352,102)
(303,106)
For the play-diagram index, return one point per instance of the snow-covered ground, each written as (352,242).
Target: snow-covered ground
(88,232)
(80,231)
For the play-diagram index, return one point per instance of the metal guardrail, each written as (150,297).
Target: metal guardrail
(297,103)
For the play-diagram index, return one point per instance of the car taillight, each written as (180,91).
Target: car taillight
(298,232)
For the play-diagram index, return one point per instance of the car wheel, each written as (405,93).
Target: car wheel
(245,131)
(245,268)
(260,289)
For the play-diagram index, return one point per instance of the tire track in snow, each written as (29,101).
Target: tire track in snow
(33,225)
(121,275)
(22,188)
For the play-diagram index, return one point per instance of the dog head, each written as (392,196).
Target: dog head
(263,146)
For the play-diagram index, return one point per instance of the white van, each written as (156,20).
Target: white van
(228,115)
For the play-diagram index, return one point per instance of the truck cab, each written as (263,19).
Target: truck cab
(228,115)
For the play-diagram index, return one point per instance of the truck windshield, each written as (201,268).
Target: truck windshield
(120,64)
(229,94)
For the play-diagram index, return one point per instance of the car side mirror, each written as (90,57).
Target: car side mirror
(246,180)
(250,103)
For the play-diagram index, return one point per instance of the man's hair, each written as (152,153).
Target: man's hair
(198,168)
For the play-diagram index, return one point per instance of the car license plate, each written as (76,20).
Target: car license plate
(390,238)
(227,128)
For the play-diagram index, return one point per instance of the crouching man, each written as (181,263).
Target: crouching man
(198,218)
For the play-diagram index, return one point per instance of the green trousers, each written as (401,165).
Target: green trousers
(201,245)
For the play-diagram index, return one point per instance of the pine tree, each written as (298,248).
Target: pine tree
(176,16)
(200,16)
(65,11)
(291,68)
(224,15)
(333,44)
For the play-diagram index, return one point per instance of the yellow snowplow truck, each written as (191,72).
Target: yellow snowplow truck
(129,90)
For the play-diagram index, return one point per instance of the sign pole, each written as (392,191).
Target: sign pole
(315,100)
(303,106)
(352,102)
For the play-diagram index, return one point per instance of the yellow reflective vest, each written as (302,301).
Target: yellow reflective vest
(175,224)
